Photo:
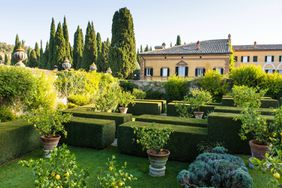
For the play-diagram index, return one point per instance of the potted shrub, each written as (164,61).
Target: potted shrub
(60,170)
(153,140)
(49,124)
(196,99)
(125,98)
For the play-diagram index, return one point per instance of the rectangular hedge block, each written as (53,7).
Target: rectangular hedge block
(172,109)
(173,120)
(90,132)
(183,143)
(224,129)
(17,138)
(236,110)
(266,102)
(155,100)
(142,107)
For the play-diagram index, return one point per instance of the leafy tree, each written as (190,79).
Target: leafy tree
(60,50)
(178,40)
(51,60)
(90,47)
(78,48)
(122,55)
(67,41)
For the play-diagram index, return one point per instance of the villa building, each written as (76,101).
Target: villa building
(194,59)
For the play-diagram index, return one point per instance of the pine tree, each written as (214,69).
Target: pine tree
(178,40)
(78,48)
(122,55)
(51,60)
(7,60)
(60,50)
(90,47)
(67,41)
(99,52)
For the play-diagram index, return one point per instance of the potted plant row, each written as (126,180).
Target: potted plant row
(153,140)
(49,124)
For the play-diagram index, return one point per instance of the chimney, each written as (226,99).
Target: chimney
(198,45)
(229,37)
(163,45)
(255,44)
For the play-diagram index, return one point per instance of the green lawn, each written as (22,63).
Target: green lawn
(13,176)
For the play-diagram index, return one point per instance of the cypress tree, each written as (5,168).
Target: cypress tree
(45,57)
(146,48)
(51,60)
(67,41)
(122,55)
(90,47)
(37,50)
(178,40)
(99,52)
(7,60)
(105,55)
(41,57)
(17,45)
(141,48)
(33,61)
(78,48)
(60,49)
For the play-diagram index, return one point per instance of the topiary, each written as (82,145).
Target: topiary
(216,169)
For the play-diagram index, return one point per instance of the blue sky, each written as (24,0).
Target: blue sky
(156,21)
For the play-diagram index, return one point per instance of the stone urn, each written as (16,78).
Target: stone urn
(93,67)
(20,56)
(122,109)
(109,70)
(66,65)
(198,115)
(157,162)
(49,143)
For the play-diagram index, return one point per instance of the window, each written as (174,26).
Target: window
(245,59)
(200,72)
(220,70)
(235,58)
(269,58)
(269,71)
(181,71)
(255,58)
(148,71)
(164,72)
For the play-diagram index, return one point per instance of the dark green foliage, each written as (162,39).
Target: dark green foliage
(33,61)
(41,59)
(99,53)
(265,102)
(37,50)
(144,107)
(7,60)
(17,138)
(178,40)
(122,55)
(6,114)
(105,55)
(182,144)
(173,111)
(155,94)
(67,40)
(216,169)
(173,120)
(89,132)
(60,50)
(78,48)
(90,47)
(45,58)
(237,110)
(176,88)
(155,100)
(127,85)
(52,49)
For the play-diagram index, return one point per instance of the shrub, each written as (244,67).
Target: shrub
(79,100)
(6,114)
(176,88)
(251,75)
(114,175)
(125,98)
(138,93)
(216,169)
(60,170)
(273,84)
(127,85)
(214,83)
(154,94)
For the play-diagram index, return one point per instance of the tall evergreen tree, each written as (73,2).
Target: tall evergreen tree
(99,52)
(45,57)
(141,48)
(60,49)
(67,41)
(105,55)
(7,60)
(37,50)
(78,48)
(51,60)
(146,48)
(90,47)
(33,61)
(178,40)
(17,46)
(122,55)
(41,57)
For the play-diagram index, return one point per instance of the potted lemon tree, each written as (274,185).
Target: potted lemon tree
(49,124)
(125,98)
(153,141)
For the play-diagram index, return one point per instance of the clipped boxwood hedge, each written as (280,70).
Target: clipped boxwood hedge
(172,111)
(155,100)
(145,107)
(182,144)
(173,120)
(90,132)
(17,138)
(224,129)
(236,110)
(266,102)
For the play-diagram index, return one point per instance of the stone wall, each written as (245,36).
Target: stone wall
(150,85)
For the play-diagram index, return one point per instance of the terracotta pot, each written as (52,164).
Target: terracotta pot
(123,110)
(157,162)
(50,142)
(199,115)
(258,150)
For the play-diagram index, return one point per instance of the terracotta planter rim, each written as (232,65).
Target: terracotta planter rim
(153,153)
(50,137)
